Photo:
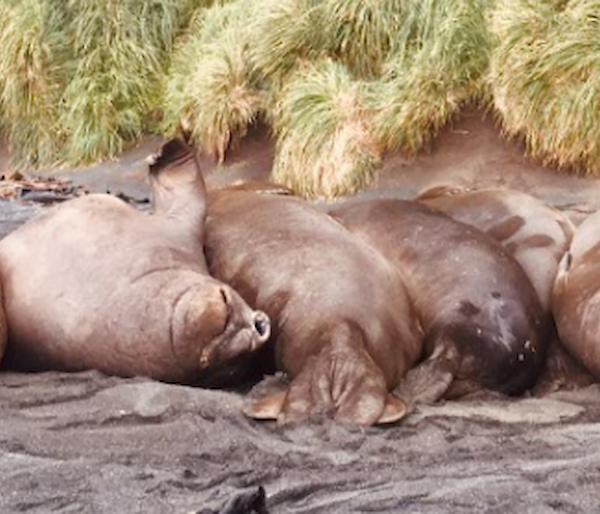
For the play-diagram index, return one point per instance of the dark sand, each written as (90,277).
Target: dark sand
(89,443)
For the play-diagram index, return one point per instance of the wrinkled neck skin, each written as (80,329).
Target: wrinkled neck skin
(179,194)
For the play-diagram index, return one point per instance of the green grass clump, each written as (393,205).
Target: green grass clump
(545,77)
(363,32)
(210,89)
(80,79)
(122,49)
(439,64)
(338,80)
(324,145)
(36,59)
(284,33)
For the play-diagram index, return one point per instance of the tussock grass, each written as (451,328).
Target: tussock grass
(286,32)
(122,49)
(410,66)
(79,79)
(439,63)
(545,76)
(211,90)
(36,58)
(362,32)
(324,145)
(340,81)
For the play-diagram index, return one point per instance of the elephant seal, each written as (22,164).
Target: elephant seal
(96,284)
(344,329)
(538,237)
(3,327)
(576,296)
(483,322)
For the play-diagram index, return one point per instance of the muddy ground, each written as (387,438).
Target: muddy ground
(89,443)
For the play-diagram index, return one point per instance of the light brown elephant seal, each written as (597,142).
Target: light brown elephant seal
(576,296)
(95,284)
(3,327)
(538,237)
(344,329)
(483,322)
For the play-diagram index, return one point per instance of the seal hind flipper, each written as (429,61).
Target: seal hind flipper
(268,407)
(395,409)
(342,381)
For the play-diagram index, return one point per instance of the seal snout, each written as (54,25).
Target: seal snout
(262,325)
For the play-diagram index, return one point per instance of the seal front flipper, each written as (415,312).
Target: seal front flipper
(430,380)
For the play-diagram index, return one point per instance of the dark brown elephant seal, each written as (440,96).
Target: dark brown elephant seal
(538,237)
(95,284)
(576,296)
(344,329)
(482,319)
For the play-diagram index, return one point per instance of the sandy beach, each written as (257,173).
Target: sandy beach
(84,442)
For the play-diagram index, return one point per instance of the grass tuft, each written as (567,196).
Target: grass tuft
(545,76)
(324,145)
(284,33)
(122,49)
(210,89)
(36,59)
(362,33)
(439,64)
(79,79)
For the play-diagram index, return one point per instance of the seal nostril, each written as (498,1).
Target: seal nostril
(261,324)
